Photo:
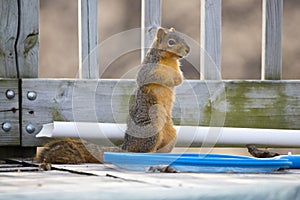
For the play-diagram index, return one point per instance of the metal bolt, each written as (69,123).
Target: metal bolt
(10,94)
(31,95)
(6,126)
(30,128)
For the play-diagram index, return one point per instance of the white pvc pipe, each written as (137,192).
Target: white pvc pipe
(186,135)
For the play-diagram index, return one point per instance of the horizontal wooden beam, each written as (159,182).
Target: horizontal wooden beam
(252,104)
(9,112)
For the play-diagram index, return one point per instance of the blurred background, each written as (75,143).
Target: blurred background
(241,36)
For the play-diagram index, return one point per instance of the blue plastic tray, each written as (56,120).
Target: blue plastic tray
(199,163)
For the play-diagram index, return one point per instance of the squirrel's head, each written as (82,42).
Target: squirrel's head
(171,42)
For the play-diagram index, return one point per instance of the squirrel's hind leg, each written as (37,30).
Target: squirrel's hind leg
(168,139)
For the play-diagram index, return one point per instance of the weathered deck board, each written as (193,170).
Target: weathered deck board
(110,183)
(252,104)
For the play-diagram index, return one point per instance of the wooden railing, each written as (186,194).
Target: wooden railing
(28,102)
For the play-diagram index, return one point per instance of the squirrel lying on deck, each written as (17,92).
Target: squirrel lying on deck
(149,126)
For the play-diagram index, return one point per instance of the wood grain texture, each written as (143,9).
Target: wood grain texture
(9,113)
(27,44)
(74,100)
(88,39)
(252,104)
(151,20)
(8,35)
(210,56)
(271,39)
(109,182)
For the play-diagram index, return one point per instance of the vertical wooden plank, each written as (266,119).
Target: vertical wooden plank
(28,38)
(8,35)
(88,39)
(27,50)
(210,65)
(151,20)
(271,39)
(19,30)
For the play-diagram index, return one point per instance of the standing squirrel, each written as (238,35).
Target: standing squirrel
(149,126)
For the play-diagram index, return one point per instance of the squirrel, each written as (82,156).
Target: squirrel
(149,125)
(72,151)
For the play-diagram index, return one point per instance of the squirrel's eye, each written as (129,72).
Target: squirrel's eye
(171,42)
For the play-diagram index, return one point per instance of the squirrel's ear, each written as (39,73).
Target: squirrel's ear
(172,29)
(160,34)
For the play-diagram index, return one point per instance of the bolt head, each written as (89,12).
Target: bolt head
(6,126)
(10,94)
(31,95)
(30,128)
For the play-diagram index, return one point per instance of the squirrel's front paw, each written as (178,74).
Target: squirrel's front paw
(162,169)
(178,80)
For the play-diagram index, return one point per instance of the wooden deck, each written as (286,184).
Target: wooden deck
(95,181)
